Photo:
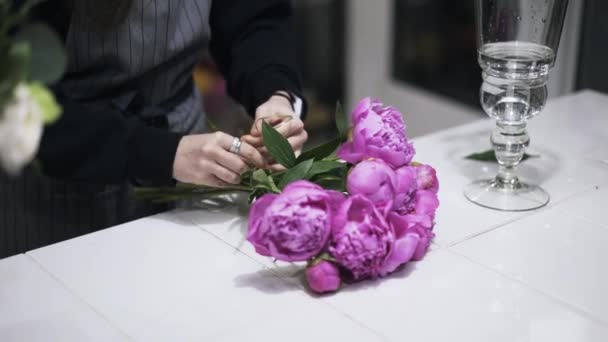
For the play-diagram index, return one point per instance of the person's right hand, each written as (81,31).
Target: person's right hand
(205,159)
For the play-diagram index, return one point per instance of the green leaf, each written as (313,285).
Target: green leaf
(324,166)
(278,146)
(260,176)
(322,151)
(246,177)
(48,59)
(299,171)
(273,185)
(490,156)
(332,183)
(341,122)
(255,194)
(321,257)
(483,156)
(50,108)
(262,180)
(13,70)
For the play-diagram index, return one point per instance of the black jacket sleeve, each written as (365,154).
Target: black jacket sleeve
(253,44)
(98,144)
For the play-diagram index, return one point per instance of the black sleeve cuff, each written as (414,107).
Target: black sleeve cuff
(151,155)
(265,83)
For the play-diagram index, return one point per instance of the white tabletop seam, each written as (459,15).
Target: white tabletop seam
(79,298)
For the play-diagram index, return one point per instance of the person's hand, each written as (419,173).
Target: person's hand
(278,113)
(205,159)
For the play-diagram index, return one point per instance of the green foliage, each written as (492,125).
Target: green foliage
(490,156)
(50,108)
(13,69)
(341,122)
(297,172)
(322,151)
(48,60)
(278,146)
(34,55)
(318,165)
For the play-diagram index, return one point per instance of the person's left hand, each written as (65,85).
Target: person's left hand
(278,113)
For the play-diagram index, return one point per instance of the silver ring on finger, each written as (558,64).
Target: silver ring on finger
(235,147)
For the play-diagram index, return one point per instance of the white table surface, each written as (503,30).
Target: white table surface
(36,307)
(188,275)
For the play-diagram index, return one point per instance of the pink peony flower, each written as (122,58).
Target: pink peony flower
(419,225)
(378,132)
(295,225)
(323,277)
(412,196)
(402,251)
(415,205)
(364,243)
(406,190)
(374,179)
(426,177)
(425,203)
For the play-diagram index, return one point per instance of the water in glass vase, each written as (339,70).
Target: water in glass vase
(515,75)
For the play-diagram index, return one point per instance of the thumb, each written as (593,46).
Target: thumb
(256,129)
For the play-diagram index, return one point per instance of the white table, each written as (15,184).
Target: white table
(189,275)
(34,306)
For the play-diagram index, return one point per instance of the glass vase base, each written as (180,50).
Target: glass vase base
(494,194)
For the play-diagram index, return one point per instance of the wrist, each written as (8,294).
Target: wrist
(283,97)
(294,102)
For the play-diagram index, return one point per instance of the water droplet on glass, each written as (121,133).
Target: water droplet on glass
(519,18)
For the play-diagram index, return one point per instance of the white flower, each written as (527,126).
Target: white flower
(21,124)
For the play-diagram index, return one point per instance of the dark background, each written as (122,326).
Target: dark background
(434,48)
(593,51)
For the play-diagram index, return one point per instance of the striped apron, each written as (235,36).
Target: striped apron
(160,40)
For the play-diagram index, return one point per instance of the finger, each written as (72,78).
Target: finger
(212,180)
(276,167)
(247,152)
(290,128)
(273,120)
(223,140)
(253,141)
(223,173)
(297,141)
(232,162)
(252,155)
(264,152)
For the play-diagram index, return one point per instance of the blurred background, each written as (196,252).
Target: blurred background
(417,55)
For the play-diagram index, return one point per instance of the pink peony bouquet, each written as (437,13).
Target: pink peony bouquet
(354,208)
(382,219)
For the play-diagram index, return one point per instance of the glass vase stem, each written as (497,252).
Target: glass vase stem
(509,142)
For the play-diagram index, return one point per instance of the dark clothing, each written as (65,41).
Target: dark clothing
(128,98)
(36,211)
(123,82)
